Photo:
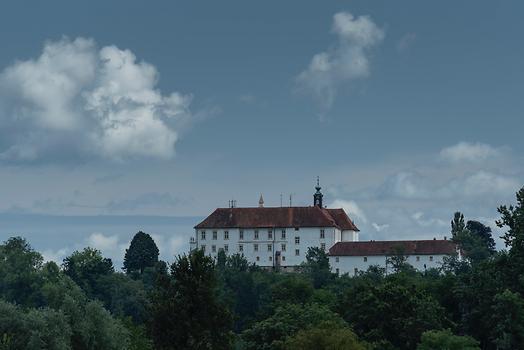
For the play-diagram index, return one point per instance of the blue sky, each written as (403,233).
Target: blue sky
(407,111)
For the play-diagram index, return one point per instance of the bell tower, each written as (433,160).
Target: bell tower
(317,197)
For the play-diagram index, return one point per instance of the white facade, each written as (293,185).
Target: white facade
(352,265)
(269,247)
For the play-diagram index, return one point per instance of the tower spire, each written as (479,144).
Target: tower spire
(317,197)
(261,201)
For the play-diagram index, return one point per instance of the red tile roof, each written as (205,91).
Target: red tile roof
(277,217)
(423,247)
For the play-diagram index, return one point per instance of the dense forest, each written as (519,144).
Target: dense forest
(200,303)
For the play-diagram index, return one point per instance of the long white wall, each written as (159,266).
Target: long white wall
(354,264)
(307,237)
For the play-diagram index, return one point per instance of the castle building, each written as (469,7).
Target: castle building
(279,237)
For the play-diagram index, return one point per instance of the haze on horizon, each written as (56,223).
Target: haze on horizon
(126,108)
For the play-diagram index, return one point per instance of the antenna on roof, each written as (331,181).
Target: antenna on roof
(281,200)
(290,199)
(233,203)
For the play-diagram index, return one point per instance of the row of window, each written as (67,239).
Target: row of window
(366,258)
(256,235)
(255,248)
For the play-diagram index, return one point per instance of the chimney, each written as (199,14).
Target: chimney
(445,238)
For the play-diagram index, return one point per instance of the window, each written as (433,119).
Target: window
(240,248)
(258,258)
(226,235)
(214,235)
(269,248)
(322,233)
(256,234)
(270,234)
(283,258)
(356,271)
(226,248)
(256,247)
(297,240)
(297,251)
(418,258)
(283,247)
(270,258)
(296,228)
(203,247)
(283,233)
(203,235)
(323,246)
(365,259)
(241,234)
(336,259)
(214,248)
(430,258)
(338,271)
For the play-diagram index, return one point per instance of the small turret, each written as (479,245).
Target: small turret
(261,202)
(317,197)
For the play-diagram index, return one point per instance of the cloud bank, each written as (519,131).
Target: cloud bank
(347,60)
(78,101)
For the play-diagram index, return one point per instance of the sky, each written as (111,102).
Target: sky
(126,115)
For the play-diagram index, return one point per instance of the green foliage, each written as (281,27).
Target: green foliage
(445,340)
(326,336)
(398,259)
(86,267)
(271,333)
(186,312)
(142,253)
(513,218)
(35,329)
(317,266)
(507,322)
(474,239)
(19,272)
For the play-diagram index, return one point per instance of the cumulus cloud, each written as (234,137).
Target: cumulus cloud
(352,209)
(469,152)
(345,61)
(102,242)
(77,100)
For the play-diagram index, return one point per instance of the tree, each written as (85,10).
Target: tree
(271,333)
(326,336)
(445,340)
(457,224)
(513,218)
(474,239)
(317,266)
(186,312)
(86,267)
(507,321)
(142,253)
(483,232)
(20,266)
(398,259)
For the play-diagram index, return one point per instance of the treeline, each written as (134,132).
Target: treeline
(201,303)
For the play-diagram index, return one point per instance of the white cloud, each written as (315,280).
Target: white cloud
(76,101)
(379,227)
(469,152)
(55,255)
(352,209)
(102,242)
(346,61)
